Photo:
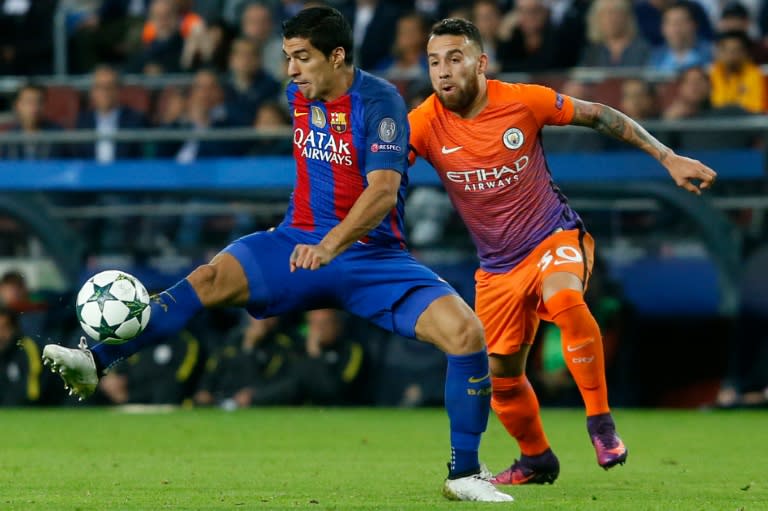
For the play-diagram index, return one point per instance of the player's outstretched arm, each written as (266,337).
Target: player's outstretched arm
(684,171)
(370,208)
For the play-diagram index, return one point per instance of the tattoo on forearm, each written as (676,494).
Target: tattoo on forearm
(616,124)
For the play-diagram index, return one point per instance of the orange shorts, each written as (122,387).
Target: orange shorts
(510,304)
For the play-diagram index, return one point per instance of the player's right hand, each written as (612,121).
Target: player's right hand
(309,257)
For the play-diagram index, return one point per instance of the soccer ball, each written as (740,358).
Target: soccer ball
(113,307)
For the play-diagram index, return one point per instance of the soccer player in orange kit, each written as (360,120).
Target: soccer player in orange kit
(483,138)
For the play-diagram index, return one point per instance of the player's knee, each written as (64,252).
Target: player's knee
(468,337)
(562,302)
(203,281)
(220,283)
(508,366)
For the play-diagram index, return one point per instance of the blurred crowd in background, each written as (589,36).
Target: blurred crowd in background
(195,66)
(680,59)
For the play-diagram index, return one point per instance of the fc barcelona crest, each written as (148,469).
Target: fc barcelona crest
(339,121)
(318,117)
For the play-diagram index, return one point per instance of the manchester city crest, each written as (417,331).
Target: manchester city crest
(513,138)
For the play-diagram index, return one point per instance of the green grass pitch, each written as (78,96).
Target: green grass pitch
(347,459)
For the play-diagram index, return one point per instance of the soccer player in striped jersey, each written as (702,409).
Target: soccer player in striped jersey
(483,138)
(340,245)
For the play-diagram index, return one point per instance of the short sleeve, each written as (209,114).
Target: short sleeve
(418,141)
(386,141)
(548,106)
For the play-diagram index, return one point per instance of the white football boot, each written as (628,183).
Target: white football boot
(474,488)
(75,366)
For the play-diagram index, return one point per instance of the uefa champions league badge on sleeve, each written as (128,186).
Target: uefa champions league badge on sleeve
(387,129)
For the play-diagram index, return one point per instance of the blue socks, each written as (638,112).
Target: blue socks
(468,403)
(171,310)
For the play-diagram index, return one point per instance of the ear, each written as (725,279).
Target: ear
(337,57)
(482,64)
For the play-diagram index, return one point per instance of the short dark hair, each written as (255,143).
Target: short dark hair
(739,35)
(684,5)
(458,26)
(701,70)
(29,86)
(735,10)
(101,68)
(14,277)
(324,27)
(648,86)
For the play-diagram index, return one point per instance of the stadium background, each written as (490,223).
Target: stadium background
(680,285)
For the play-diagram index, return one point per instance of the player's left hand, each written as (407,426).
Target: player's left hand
(309,257)
(686,171)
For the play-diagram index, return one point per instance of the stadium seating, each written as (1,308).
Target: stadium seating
(62,104)
(136,97)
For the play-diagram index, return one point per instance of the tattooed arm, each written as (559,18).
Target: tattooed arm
(618,125)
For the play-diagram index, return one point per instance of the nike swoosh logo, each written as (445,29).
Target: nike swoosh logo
(296,113)
(452,149)
(523,479)
(619,449)
(576,347)
(472,379)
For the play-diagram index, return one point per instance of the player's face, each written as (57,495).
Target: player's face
(313,72)
(456,67)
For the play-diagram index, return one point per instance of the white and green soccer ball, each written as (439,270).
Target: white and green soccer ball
(113,307)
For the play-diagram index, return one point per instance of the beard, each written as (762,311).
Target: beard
(461,100)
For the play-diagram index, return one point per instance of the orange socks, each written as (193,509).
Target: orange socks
(582,347)
(516,405)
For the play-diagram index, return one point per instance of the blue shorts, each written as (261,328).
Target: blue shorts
(387,286)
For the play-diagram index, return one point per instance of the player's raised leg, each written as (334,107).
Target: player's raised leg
(222,282)
(582,346)
(451,325)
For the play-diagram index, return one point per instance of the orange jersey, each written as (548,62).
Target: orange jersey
(494,170)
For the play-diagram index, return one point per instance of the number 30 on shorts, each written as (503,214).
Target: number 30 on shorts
(563,255)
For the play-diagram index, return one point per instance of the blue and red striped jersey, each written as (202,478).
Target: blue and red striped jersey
(336,144)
